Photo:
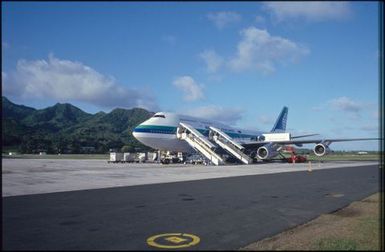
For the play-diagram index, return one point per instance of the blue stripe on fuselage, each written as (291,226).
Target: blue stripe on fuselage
(172,130)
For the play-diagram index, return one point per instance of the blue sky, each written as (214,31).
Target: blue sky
(238,62)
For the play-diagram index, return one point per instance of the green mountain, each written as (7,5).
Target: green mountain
(13,111)
(65,128)
(56,117)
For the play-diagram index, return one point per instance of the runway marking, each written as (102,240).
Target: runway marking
(335,195)
(173,240)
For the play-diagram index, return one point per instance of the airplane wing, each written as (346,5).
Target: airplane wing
(298,142)
(300,136)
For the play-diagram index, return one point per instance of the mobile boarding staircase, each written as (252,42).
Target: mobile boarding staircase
(202,144)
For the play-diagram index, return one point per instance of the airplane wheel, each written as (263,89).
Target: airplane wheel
(166,161)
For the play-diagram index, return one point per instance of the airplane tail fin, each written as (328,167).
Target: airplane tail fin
(280,124)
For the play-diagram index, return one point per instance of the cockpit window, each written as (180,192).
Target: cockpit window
(159,116)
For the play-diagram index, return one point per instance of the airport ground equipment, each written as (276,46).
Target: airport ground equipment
(227,143)
(199,142)
(141,157)
(195,158)
(296,159)
(208,149)
(218,143)
(294,156)
(171,157)
(152,156)
(115,157)
(129,157)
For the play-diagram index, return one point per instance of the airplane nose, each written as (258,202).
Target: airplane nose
(138,132)
(135,132)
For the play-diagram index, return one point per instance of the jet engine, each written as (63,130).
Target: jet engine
(321,149)
(267,151)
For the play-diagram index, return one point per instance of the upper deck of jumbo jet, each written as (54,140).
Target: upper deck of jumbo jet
(167,122)
(173,119)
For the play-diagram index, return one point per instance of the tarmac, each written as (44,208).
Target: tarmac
(35,176)
(238,205)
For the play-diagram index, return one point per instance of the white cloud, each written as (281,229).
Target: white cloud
(65,80)
(258,50)
(223,18)
(309,10)
(346,104)
(217,113)
(191,89)
(212,59)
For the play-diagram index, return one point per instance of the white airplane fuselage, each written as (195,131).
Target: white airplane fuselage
(159,132)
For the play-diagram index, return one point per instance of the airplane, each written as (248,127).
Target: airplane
(163,132)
